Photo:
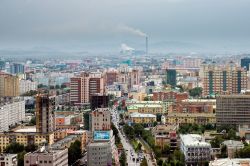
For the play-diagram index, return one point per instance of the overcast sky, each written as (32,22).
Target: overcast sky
(90,21)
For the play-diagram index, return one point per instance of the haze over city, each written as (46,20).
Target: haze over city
(207,26)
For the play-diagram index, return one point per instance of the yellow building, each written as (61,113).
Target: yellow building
(9,85)
(142,118)
(25,138)
(146,109)
(191,118)
(137,95)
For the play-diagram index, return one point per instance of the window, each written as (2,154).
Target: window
(41,161)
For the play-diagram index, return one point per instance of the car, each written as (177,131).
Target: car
(133,159)
(137,160)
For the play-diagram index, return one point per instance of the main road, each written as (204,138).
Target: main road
(131,155)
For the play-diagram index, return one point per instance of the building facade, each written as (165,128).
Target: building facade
(79,89)
(195,150)
(9,85)
(48,158)
(12,112)
(171,77)
(100,119)
(233,110)
(26,86)
(45,116)
(228,79)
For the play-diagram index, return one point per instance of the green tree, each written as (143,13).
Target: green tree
(144,162)
(139,146)
(245,152)
(231,134)
(195,92)
(14,148)
(32,121)
(129,131)
(123,158)
(166,149)
(20,158)
(86,120)
(74,152)
(138,129)
(216,142)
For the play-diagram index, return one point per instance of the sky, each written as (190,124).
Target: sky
(109,23)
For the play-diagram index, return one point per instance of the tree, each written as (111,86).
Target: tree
(216,142)
(144,162)
(86,120)
(74,152)
(195,92)
(245,152)
(166,149)
(139,146)
(20,158)
(14,148)
(231,134)
(32,121)
(180,87)
(138,129)
(31,148)
(123,158)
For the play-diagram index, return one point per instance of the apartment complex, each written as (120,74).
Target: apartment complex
(27,85)
(79,89)
(12,112)
(169,96)
(100,119)
(8,159)
(233,110)
(48,158)
(165,134)
(228,79)
(45,116)
(196,151)
(9,85)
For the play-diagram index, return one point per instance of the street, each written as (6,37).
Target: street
(132,156)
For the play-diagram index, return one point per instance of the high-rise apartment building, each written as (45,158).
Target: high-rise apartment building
(16,68)
(245,63)
(100,119)
(45,117)
(228,79)
(99,101)
(233,110)
(27,85)
(96,86)
(79,89)
(9,85)
(12,112)
(171,77)
(111,77)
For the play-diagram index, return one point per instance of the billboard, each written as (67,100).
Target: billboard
(101,135)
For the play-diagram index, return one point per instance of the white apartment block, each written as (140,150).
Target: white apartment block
(11,113)
(195,149)
(8,159)
(27,85)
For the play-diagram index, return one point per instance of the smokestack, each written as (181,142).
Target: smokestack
(146,45)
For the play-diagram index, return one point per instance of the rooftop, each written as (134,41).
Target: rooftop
(25,129)
(193,140)
(139,115)
(230,162)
